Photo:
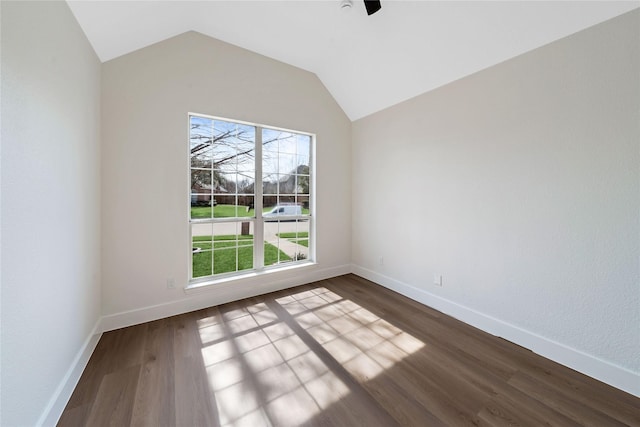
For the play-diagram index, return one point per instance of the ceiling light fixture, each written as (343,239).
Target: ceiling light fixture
(372,6)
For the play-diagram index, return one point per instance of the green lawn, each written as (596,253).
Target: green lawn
(224,254)
(221,211)
(228,211)
(301,237)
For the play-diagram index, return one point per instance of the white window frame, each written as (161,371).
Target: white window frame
(258,220)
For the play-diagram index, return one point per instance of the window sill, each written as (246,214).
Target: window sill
(220,282)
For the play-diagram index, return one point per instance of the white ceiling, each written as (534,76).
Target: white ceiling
(368,63)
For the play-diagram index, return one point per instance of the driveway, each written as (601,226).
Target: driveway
(271,229)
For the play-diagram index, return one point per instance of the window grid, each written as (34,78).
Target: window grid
(230,164)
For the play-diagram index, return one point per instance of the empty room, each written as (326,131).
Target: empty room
(305,213)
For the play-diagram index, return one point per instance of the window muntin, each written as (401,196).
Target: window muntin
(250,199)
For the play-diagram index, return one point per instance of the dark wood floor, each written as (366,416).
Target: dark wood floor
(340,352)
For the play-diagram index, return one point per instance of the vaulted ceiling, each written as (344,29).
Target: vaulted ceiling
(368,63)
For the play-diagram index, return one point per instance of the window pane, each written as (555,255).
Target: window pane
(269,150)
(226,207)
(233,145)
(224,161)
(287,184)
(269,202)
(201,156)
(287,143)
(222,248)
(304,145)
(302,164)
(270,184)
(287,163)
(270,138)
(274,248)
(286,200)
(201,181)
(232,247)
(202,250)
(246,182)
(246,206)
(201,206)
(200,138)
(301,239)
(232,206)
(245,150)
(286,241)
(224,131)
(304,202)
(224,183)
(269,162)
(246,136)
(302,184)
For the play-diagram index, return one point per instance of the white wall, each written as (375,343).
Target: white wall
(50,206)
(146,96)
(520,185)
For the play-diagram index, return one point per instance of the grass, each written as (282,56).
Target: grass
(228,211)
(224,250)
(301,237)
(221,211)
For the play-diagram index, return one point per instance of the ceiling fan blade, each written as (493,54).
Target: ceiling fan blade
(372,6)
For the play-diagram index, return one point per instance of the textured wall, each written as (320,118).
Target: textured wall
(50,202)
(520,185)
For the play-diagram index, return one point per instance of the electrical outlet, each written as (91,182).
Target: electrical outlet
(171,283)
(437,280)
(381,261)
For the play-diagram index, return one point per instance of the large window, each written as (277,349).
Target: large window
(250,197)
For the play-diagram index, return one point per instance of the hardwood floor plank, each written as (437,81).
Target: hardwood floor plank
(154,402)
(341,351)
(502,412)
(581,412)
(524,408)
(127,347)
(436,401)
(115,399)
(407,406)
(75,416)
(195,405)
(588,391)
(116,350)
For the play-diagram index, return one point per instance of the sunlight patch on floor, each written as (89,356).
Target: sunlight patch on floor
(261,372)
(365,344)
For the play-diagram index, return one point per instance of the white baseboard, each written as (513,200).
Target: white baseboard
(587,364)
(51,414)
(208,296)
